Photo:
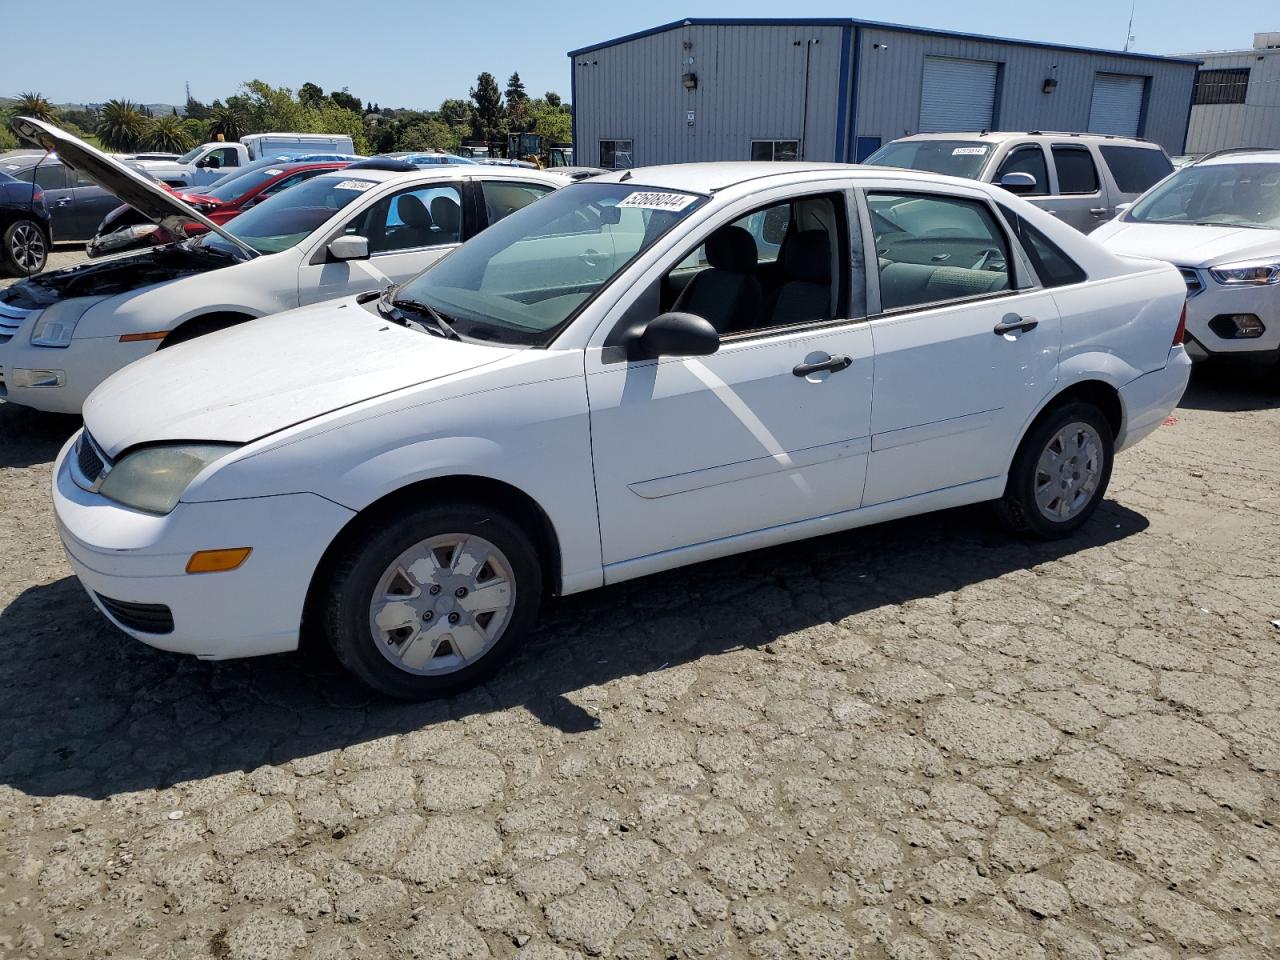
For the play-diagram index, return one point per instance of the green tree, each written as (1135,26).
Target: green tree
(552,98)
(486,122)
(457,113)
(120,125)
(36,106)
(345,100)
(555,124)
(311,95)
(228,121)
(167,134)
(195,110)
(430,135)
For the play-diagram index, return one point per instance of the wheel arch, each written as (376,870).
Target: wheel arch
(464,488)
(1095,390)
(203,323)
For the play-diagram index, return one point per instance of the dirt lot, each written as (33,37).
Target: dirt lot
(919,740)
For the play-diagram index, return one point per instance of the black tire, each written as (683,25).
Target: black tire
(366,555)
(200,326)
(24,248)
(1019,509)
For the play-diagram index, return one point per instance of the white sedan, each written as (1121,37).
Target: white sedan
(752,353)
(1218,221)
(374,223)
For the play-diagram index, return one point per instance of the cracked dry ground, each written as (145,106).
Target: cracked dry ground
(918,740)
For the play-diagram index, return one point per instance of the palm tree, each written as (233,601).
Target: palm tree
(227,121)
(121,125)
(167,134)
(34,105)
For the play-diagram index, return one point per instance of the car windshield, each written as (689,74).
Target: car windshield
(189,155)
(239,186)
(1230,194)
(952,158)
(282,221)
(524,278)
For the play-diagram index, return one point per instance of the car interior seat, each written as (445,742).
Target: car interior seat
(726,294)
(448,219)
(416,231)
(805,294)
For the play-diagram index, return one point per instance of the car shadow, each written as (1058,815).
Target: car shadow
(85,710)
(1232,388)
(28,437)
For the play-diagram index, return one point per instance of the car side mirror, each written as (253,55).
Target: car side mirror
(1018,182)
(674,335)
(349,248)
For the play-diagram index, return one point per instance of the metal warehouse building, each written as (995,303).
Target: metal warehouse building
(1237,98)
(838,89)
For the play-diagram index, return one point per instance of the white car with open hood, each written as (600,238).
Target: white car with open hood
(642,370)
(1218,221)
(370,225)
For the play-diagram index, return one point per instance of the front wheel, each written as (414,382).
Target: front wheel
(25,249)
(1060,472)
(429,600)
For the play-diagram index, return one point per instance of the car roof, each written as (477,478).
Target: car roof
(444,171)
(1259,155)
(1003,136)
(711,177)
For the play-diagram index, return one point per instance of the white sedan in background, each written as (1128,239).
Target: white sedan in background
(750,354)
(1218,221)
(372,224)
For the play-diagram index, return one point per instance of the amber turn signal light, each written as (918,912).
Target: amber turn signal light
(217,561)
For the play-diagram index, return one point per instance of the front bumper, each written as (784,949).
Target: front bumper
(133,566)
(1148,400)
(58,379)
(1208,299)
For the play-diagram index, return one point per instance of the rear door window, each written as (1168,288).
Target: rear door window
(1135,169)
(1076,170)
(503,197)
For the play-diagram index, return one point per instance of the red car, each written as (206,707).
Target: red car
(126,229)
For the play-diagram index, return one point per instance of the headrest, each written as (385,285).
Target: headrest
(413,211)
(731,249)
(446,213)
(806,256)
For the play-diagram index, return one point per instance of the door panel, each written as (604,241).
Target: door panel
(1082,197)
(689,450)
(951,395)
(59,199)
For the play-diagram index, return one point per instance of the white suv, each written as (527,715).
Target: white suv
(1080,178)
(1218,221)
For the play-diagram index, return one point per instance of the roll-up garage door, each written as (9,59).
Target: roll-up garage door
(1117,104)
(957,95)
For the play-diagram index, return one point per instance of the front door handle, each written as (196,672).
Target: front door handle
(1098,211)
(1012,322)
(834,364)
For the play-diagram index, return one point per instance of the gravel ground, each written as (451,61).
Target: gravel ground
(921,740)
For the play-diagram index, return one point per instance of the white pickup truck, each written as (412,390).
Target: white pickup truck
(210,161)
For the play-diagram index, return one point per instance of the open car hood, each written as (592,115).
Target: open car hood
(143,194)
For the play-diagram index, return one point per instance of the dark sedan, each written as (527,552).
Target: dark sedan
(25,234)
(76,204)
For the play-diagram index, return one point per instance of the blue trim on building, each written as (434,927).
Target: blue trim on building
(842,107)
(1191,105)
(870,24)
(573,114)
(850,147)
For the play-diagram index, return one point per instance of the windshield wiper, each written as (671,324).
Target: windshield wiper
(443,327)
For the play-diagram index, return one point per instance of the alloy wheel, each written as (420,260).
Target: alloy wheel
(27,248)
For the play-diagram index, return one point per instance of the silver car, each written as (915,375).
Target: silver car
(1080,178)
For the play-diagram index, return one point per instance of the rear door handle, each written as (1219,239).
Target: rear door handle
(834,364)
(1098,211)
(1012,322)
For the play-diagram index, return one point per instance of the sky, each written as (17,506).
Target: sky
(401,53)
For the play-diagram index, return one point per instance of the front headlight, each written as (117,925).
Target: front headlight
(57,324)
(154,478)
(1257,273)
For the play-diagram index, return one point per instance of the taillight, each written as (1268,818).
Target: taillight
(1181,333)
(37,195)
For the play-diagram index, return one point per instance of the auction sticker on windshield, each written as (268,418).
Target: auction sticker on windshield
(968,151)
(360,185)
(658,201)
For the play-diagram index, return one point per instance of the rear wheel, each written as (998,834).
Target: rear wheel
(25,249)
(428,601)
(1060,472)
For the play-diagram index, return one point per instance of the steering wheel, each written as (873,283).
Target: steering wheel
(988,258)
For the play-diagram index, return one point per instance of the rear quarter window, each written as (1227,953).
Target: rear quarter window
(1052,265)
(1136,169)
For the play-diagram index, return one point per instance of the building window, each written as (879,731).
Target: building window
(1221,86)
(616,154)
(775,149)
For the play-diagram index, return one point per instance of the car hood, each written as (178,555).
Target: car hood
(253,380)
(1187,245)
(109,277)
(146,196)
